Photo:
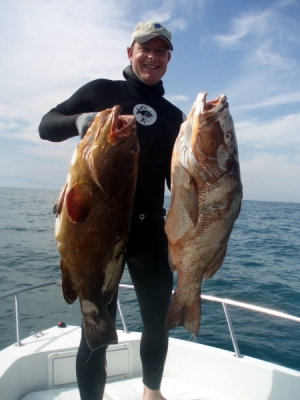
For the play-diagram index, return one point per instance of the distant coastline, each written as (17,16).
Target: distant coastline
(26,183)
(35,184)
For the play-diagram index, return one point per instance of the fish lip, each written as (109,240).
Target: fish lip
(116,111)
(122,126)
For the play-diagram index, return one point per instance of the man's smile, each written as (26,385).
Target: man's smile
(151,66)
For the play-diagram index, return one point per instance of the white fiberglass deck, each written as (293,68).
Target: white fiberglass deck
(132,389)
(42,367)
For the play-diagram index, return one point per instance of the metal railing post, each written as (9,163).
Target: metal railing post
(232,334)
(18,325)
(122,317)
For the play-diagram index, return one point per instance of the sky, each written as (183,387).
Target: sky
(247,50)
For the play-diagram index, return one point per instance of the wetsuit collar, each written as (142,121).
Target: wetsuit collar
(133,80)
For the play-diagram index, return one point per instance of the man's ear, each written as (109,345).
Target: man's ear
(169,56)
(129,53)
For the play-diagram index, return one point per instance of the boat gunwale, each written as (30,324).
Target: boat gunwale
(223,301)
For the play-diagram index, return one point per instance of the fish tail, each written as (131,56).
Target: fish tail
(184,313)
(98,325)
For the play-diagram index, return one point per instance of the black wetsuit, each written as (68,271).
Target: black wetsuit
(158,123)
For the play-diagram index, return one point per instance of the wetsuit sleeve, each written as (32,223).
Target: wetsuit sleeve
(56,127)
(60,122)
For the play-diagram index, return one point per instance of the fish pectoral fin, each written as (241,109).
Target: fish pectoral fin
(60,200)
(216,263)
(69,292)
(190,201)
(79,202)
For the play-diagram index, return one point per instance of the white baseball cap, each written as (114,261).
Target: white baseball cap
(145,31)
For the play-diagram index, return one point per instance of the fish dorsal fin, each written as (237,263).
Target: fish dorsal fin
(79,202)
(190,201)
(60,200)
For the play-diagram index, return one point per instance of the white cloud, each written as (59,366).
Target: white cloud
(247,24)
(175,13)
(49,49)
(263,38)
(59,153)
(178,24)
(280,133)
(271,177)
(55,47)
(264,55)
(177,99)
(283,98)
(261,59)
(284,3)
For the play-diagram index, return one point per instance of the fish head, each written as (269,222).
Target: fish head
(110,146)
(210,133)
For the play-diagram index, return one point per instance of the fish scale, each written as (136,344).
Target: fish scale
(206,194)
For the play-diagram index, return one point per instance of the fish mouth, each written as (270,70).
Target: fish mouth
(213,104)
(122,126)
(215,107)
(212,109)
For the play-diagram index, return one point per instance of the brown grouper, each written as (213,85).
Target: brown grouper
(93,214)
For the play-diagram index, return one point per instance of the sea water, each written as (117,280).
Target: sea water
(262,267)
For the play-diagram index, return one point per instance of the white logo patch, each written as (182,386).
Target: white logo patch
(145,115)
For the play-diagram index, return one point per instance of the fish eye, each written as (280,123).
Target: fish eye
(228,136)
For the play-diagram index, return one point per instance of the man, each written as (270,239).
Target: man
(158,123)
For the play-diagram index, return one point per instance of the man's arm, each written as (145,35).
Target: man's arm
(56,127)
(60,122)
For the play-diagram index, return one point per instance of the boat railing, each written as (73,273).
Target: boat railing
(225,303)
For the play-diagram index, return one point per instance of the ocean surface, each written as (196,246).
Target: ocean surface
(262,267)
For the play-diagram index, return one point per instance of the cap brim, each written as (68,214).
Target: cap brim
(145,38)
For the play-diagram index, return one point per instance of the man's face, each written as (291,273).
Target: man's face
(149,60)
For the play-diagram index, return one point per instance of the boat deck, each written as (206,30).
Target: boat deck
(43,367)
(132,389)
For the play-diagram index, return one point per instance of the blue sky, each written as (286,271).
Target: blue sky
(248,50)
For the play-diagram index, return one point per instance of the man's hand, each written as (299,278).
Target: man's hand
(83,122)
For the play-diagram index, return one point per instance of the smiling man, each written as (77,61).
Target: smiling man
(149,54)
(158,123)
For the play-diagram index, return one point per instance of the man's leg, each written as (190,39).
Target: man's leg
(91,365)
(147,260)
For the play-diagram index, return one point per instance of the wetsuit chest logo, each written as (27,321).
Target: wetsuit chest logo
(145,115)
